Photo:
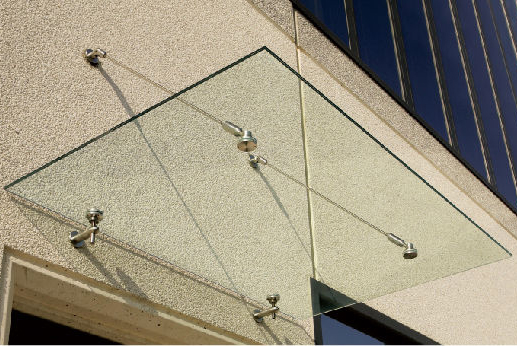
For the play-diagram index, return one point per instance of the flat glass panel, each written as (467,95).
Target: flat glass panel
(419,57)
(454,74)
(332,14)
(376,47)
(483,88)
(337,333)
(502,82)
(173,184)
(350,168)
(511,12)
(506,41)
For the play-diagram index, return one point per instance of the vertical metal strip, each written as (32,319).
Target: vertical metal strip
(305,153)
(494,91)
(440,74)
(472,92)
(400,53)
(352,31)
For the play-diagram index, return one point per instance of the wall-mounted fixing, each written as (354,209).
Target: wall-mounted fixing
(246,141)
(92,56)
(410,251)
(94,216)
(254,160)
(259,315)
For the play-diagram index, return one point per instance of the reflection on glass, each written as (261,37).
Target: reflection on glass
(483,88)
(511,13)
(332,14)
(463,116)
(506,41)
(419,57)
(359,175)
(337,333)
(194,201)
(502,69)
(376,47)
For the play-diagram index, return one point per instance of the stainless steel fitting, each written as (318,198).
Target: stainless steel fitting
(246,141)
(94,216)
(254,160)
(259,315)
(92,56)
(410,251)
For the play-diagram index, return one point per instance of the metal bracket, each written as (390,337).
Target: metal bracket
(410,251)
(255,160)
(92,56)
(259,315)
(246,141)
(94,216)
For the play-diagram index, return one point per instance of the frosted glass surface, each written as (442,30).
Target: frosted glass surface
(171,182)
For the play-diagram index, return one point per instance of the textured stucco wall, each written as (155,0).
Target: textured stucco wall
(173,183)
(51,101)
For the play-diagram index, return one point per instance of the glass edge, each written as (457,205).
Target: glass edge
(383,147)
(323,311)
(125,122)
(266,49)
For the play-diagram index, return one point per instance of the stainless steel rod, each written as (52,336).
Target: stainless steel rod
(267,312)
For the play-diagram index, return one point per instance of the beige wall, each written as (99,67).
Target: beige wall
(52,101)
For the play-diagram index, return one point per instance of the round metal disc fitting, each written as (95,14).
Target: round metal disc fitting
(94,215)
(410,251)
(273,298)
(247,142)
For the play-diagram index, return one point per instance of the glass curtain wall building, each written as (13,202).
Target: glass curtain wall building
(452,64)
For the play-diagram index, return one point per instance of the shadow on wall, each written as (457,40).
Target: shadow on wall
(56,231)
(324,298)
(131,113)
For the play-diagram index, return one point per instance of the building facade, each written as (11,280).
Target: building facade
(360,134)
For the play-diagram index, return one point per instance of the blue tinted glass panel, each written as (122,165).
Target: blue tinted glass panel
(501,81)
(332,14)
(506,41)
(511,11)
(463,116)
(376,47)
(419,57)
(487,105)
(337,333)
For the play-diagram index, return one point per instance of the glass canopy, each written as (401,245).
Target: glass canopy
(172,183)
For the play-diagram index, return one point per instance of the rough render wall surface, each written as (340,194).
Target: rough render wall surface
(173,184)
(52,101)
